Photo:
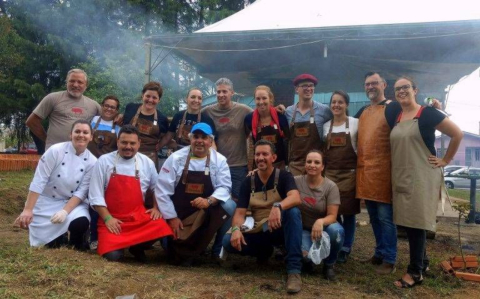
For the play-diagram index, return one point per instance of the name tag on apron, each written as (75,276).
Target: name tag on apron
(302,132)
(338,141)
(194,188)
(271,138)
(310,200)
(144,128)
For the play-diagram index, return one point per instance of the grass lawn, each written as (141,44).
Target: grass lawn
(63,273)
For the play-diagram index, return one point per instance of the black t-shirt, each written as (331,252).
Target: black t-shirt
(131,110)
(285,184)
(427,122)
(190,120)
(281,145)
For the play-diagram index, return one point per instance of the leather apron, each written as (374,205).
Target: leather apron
(199,225)
(340,167)
(261,203)
(181,136)
(374,157)
(103,142)
(272,134)
(124,200)
(416,185)
(303,138)
(149,132)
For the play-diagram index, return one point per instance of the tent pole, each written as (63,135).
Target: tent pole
(148,62)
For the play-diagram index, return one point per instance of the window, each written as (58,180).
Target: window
(477,154)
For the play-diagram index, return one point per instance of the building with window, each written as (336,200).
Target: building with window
(468,153)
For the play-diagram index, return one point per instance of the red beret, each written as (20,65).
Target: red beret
(305,77)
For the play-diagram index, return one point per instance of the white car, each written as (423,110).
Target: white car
(451,168)
(452,182)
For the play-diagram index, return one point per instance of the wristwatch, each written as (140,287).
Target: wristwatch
(277,205)
(209,200)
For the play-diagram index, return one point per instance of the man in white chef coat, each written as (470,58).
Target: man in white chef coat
(117,192)
(193,194)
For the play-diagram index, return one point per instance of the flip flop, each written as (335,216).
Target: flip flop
(404,284)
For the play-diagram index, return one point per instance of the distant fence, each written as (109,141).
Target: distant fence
(12,162)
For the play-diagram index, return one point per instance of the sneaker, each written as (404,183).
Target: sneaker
(328,272)
(342,257)
(93,245)
(294,283)
(386,268)
(374,260)
(307,265)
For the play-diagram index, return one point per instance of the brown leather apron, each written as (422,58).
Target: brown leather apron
(373,163)
(341,162)
(199,225)
(272,134)
(149,135)
(181,136)
(303,138)
(261,203)
(103,142)
(416,185)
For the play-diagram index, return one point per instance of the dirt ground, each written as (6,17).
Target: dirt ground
(63,273)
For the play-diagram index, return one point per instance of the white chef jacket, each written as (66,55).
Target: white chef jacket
(104,168)
(60,174)
(171,173)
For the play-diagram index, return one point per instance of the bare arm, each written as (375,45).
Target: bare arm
(26,217)
(317,229)
(113,224)
(292,200)
(237,239)
(450,129)
(165,139)
(34,123)
(72,204)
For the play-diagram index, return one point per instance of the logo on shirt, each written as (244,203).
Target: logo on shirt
(77,111)
(165,170)
(224,120)
(310,200)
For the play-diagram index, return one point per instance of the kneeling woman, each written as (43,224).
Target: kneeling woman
(56,201)
(320,202)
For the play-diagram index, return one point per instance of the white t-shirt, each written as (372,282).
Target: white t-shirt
(352,127)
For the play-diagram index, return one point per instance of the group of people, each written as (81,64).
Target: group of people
(250,180)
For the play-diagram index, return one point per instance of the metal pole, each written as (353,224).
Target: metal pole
(148,62)
(473,193)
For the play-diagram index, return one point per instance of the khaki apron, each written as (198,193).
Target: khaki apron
(148,135)
(341,162)
(416,185)
(181,137)
(103,142)
(199,225)
(272,134)
(374,157)
(303,138)
(261,203)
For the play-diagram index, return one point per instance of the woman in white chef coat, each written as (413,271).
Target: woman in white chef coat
(56,202)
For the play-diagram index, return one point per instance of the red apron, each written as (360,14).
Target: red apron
(125,202)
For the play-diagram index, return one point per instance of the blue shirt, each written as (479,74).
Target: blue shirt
(321,114)
(104,125)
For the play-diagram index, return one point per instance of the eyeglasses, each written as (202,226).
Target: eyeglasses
(306,86)
(373,84)
(404,88)
(106,106)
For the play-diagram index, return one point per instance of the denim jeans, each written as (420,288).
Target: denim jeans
(336,233)
(93,224)
(349,225)
(417,241)
(238,174)
(229,206)
(385,231)
(261,244)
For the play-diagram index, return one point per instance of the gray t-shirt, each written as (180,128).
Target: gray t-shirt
(232,139)
(62,111)
(315,200)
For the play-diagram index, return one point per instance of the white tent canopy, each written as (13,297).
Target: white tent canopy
(300,14)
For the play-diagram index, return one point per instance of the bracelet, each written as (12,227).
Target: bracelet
(107,218)
(234,228)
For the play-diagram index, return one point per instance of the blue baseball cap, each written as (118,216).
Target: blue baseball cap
(202,127)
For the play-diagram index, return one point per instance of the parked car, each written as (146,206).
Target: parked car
(452,182)
(451,168)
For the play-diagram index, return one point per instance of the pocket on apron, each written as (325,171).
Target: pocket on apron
(403,179)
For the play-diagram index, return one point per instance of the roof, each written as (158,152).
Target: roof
(297,14)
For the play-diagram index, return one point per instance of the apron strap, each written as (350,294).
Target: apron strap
(417,116)
(97,124)
(182,124)
(187,164)
(135,118)
(275,182)
(329,135)
(252,184)
(137,172)
(312,118)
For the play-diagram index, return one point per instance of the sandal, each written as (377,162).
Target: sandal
(417,280)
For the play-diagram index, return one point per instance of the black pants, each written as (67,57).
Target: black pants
(115,255)
(417,241)
(77,229)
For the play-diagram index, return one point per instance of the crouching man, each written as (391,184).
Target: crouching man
(193,193)
(118,185)
(271,196)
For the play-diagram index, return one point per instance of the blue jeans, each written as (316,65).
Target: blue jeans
(93,224)
(385,231)
(349,225)
(229,206)
(261,244)
(336,233)
(238,174)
